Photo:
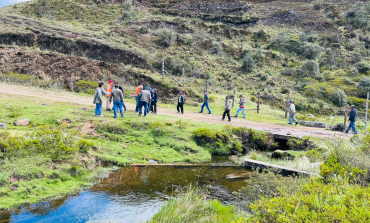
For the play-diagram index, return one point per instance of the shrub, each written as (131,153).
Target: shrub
(310,68)
(259,140)
(113,128)
(358,15)
(248,63)
(144,30)
(85,86)
(311,51)
(364,86)
(313,155)
(295,143)
(165,37)
(358,102)
(337,96)
(253,99)
(363,67)
(315,202)
(216,48)
(216,141)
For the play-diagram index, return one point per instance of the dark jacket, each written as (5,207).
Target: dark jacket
(116,95)
(206,98)
(353,115)
(181,99)
(155,97)
(121,88)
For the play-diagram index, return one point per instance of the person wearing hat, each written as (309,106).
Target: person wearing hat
(227,109)
(153,104)
(241,107)
(108,93)
(180,103)
(352,119)
(137,91)
(144,98)
(292,113)
(205,103)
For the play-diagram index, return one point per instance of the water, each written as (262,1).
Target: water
(11,2)
(133,194)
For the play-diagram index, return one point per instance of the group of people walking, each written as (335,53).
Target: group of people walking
(147,99)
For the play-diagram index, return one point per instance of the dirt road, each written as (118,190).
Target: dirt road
(63,96)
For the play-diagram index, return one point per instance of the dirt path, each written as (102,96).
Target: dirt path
(63,96)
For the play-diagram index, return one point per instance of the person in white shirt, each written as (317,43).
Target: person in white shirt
(292,113)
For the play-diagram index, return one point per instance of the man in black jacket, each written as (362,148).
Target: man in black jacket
(180,103)
(352,120)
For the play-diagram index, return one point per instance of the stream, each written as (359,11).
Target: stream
(135,194)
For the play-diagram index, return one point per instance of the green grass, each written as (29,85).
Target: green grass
(192,206)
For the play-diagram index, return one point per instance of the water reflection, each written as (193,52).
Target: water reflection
(132,194)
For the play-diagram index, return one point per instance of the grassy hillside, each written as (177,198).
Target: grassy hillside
(316,50)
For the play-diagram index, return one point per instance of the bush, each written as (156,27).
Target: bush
(311,51)
(363,67)
(165,37)
(216,48)
(316,202)
(217,141)
(144,30)
(310,68)
(253,99)
(358,15)
(364,86)
(85,86)
(295,143)
(358,102)
(248,63)
(337,96)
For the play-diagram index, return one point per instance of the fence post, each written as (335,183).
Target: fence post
(234,97)
(367,108)
(345,118)
(287,107)
(162,68)
(183,76)
(258,101)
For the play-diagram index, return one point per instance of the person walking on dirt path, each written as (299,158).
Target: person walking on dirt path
(144,98)
(227,109)
(180,103)
(117,97)
(137,91)
(292,113)
(123,93)
(241,107)
(98,100)
(108,93)
(353,116)
(154,102)
(205,103)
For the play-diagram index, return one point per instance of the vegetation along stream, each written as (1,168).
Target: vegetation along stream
(135,194)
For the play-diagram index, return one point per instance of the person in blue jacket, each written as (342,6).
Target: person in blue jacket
(205,103)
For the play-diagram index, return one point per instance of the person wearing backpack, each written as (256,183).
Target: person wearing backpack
(180,103)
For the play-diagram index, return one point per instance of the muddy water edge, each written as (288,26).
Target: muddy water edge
(135,194)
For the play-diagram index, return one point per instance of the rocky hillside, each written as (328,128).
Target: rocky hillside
(317,50)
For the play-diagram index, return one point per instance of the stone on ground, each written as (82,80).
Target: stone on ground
(23,122)
(3,125)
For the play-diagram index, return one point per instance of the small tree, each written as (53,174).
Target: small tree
(311,51)
(248,62)
(165,37)
(363,86)
(216,48)
(310,68)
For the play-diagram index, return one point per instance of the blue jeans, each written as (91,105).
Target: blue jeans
(124,106)
(353,126)
(137,104)
(117,105)
(291,118)
(98,109)
(240,109)
(205,104)
(145,104)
